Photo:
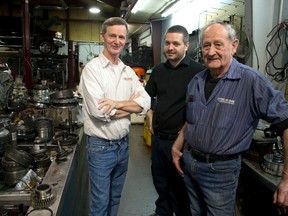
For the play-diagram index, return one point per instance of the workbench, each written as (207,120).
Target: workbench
(69,181)
(270,181)
(261,145)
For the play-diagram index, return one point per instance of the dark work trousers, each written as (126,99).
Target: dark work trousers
(169,184)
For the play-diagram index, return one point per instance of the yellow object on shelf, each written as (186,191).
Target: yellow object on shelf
(144,130)
(146,134)
(148,139)
(147,75)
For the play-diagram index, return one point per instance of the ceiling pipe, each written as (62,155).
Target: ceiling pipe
(48,7)
(64,4)
(129,9)
(123,8)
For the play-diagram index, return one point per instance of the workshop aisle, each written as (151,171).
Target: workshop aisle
(139,194)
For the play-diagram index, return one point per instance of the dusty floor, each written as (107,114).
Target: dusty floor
(139,194)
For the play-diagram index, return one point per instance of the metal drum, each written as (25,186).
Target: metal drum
(25,132)
(64,98)
(273,164)
(44,128)
(13,177)
(41,94)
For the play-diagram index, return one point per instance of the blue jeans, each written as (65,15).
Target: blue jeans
(107,164)
(211,186)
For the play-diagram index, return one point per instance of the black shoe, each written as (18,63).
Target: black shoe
(154,214)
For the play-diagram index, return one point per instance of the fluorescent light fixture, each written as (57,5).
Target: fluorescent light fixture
(194,5)
(137,6)
(175,7)
(94,10)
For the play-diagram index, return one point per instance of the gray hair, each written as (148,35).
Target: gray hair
(179,29)
(113,21)
(229,28)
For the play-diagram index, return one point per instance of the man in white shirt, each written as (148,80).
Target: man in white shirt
(111,92)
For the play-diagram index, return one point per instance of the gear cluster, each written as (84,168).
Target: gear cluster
(43,196)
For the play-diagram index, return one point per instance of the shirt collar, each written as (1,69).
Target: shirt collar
(233,72)
(185,62)
(105,62)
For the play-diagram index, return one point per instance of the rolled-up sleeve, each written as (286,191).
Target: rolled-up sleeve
(144,100)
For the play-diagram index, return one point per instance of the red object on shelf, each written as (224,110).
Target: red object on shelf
(140,72)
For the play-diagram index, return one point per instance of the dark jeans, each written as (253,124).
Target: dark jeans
(211,186)
(169,184)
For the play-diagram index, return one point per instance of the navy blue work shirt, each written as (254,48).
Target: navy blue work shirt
(225,123)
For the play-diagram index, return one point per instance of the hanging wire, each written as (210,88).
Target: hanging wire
(256,54)
(272,56)
(281,72)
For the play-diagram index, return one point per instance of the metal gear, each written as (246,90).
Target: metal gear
(43,196)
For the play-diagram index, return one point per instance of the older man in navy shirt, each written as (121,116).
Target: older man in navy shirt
(224,105)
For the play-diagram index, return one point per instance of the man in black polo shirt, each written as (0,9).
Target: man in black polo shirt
(168,83)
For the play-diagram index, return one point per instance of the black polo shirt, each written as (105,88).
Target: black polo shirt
(169,86)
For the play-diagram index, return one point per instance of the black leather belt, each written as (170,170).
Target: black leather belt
(166,136)
(211,158)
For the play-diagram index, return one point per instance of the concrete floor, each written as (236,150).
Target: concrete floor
(139,194)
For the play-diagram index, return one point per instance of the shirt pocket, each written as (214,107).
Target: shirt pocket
(223,115)
(194,109)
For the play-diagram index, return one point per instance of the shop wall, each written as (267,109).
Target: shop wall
(88,51)
(194,19)
(145,38)
(77,25)
(266,17)
(260,17)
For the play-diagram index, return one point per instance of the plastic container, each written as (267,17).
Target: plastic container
(140,72)
(148,138)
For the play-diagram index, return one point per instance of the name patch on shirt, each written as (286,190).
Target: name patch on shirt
(127,78)
(226,101)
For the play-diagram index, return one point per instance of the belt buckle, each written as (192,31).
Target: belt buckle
(202,157)
(205,157)
(208,159)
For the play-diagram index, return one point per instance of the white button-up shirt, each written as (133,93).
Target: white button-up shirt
(101,79)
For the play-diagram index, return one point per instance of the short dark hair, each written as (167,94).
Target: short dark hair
(113,21)
(179,29)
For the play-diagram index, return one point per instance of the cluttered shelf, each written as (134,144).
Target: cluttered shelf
(254,168)
(261,159)
(57,187)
